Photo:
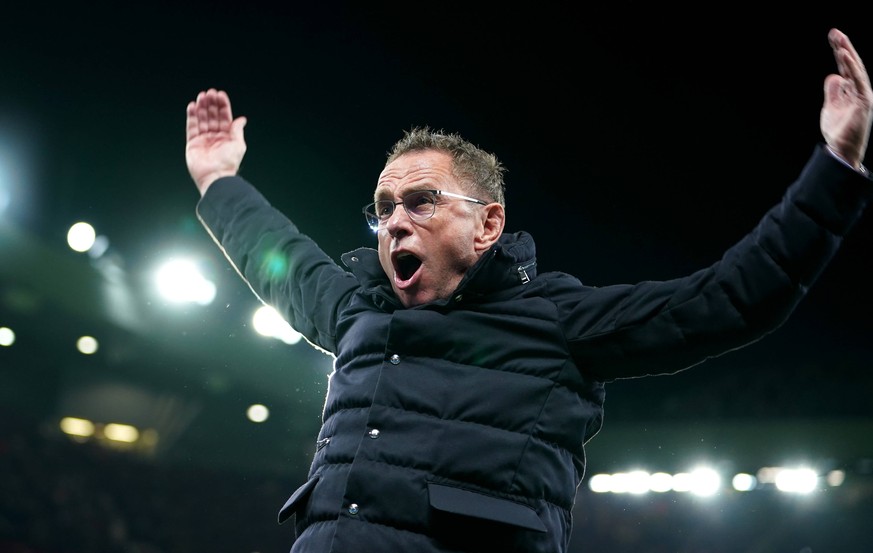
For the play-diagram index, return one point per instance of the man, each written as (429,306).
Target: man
(466,384)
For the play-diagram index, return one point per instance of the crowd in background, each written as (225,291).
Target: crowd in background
(58,496)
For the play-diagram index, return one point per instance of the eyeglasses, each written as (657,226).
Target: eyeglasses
(419,205)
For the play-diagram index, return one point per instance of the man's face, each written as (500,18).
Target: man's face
(425,260)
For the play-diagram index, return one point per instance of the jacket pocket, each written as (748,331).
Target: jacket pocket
(298,499)
(474,504)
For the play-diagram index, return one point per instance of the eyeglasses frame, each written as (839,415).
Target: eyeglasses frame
(381,224)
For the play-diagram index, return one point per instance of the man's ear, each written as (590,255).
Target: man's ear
(493,222)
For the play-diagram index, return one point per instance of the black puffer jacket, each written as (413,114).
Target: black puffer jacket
(459,426)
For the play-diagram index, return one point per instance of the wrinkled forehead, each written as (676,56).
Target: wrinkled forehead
(430,169)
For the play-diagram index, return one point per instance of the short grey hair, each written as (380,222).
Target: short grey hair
(473,167)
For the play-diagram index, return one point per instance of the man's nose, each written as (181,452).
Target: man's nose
(399,221)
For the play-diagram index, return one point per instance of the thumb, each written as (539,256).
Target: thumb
(237,126)
(832,87)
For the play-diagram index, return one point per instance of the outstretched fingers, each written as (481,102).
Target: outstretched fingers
(209,113)
(192,127)
(849,63)
(212,123)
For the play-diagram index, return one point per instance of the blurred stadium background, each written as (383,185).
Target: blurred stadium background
(141,418)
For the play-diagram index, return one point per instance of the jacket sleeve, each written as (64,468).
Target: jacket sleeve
(284,268)
(663,327)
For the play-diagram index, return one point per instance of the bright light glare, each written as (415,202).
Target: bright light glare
(836,478)
(18,138)
(121,432)
(801,480)
(180,281)
(638,482)
(682,482)
(87,345)
(5,177)
(7,336)
(619,483)
(661,482)
(99,247)
(267,322)
(705,482)
(767,475)
(258,413)
(81,237)
(77,427)
(743,482)
(600,483)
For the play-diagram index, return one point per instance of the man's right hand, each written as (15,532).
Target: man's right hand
(847,113)
(215,144)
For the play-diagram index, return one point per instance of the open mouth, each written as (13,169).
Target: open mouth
(406,265)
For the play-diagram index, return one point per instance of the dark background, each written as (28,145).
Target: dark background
(640,143)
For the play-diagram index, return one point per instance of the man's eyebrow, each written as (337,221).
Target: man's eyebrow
(382,193)
(385,193)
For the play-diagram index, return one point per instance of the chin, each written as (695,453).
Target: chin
(411,300)
(408,301)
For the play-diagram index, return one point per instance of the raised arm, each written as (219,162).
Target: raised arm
(848,103)
(215,144)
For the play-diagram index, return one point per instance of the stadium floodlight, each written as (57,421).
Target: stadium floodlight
(268,322)
(87,345)
(81,236)
(705,482)
(180,281)
(744,482)
(257,412)
(799,480)
(7,336)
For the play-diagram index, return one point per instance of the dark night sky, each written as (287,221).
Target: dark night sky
(640,143)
